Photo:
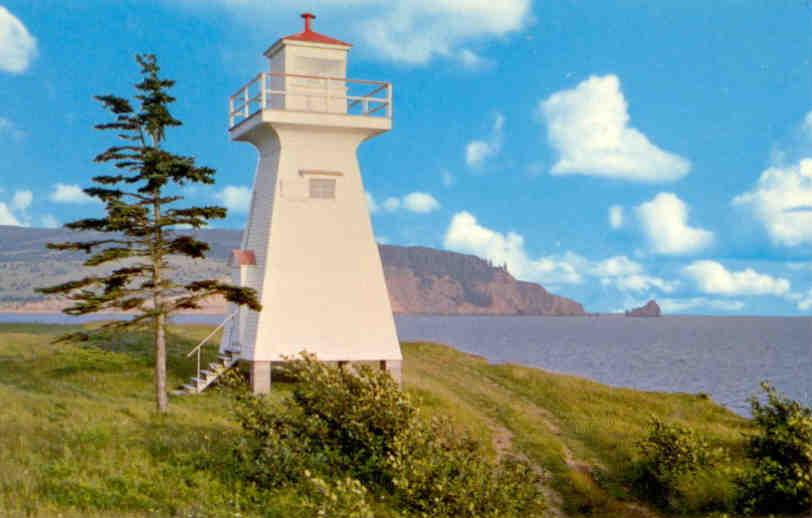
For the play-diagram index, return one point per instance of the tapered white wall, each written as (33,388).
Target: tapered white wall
(318,273)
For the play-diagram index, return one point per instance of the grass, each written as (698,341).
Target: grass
(79,437)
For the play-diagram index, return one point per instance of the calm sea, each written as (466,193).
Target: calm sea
(725,357)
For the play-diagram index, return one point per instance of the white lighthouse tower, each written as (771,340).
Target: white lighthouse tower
(308,247)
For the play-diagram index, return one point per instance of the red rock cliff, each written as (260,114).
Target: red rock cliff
(428,281)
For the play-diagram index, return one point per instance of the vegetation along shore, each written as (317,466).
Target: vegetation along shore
(79,436)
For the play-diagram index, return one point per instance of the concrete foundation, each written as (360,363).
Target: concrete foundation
(260,375)
(394,368)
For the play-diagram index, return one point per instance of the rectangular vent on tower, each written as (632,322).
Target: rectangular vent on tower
(323,188)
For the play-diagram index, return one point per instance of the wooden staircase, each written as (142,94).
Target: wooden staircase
(224,363)
(206,377)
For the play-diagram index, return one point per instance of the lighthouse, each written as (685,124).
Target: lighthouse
(308,248)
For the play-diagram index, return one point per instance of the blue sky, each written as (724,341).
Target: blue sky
(612,151)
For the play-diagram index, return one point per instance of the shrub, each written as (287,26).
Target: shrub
(436,472)
(350,434)
(669,452)
(780,479)
(344,498)
(335,422)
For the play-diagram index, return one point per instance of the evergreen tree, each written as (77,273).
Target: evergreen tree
(140,218)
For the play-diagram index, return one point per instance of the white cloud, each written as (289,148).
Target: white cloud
(391,204)
(64,193)
(22,200)
(417,202)
(471,60)
(782,201)
(478,152)
(713,278)
(14,212)
(589,128)
(416,31)
(7,216)
(669,305)
(49,221)
(420,202)
(615,217)
(554,270)
(372,205)
(628,275)
(803,300)
(640,283)
(664,221)
(10,129)
(411,32)
(17,46)
(616,266)
(235,198)
(465,234)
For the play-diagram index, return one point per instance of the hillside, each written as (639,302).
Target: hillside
(78,436)
(420,280)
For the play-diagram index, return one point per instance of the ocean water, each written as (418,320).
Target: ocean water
(61,318)
(724,357)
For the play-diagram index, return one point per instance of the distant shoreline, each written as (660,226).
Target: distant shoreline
(213,317)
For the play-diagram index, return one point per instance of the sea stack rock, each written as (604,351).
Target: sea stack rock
(651,309)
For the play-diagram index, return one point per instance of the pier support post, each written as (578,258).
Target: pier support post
(260,374)
(394,368)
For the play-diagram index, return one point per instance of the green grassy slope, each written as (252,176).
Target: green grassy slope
(78,436)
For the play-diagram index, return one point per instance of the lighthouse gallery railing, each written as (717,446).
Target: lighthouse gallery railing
(297,92)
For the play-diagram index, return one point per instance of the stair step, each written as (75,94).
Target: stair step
(225,361)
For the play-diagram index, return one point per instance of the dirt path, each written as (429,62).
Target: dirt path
(502,440)
(498,406)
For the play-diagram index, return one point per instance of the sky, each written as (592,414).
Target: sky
(612,151)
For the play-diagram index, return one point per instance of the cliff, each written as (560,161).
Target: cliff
(420,280)
(428,281)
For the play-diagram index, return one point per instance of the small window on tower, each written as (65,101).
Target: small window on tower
(323,188)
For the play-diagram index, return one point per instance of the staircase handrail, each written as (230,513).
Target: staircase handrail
(205,340)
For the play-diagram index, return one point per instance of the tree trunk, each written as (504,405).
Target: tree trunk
(160,317)
(160,363)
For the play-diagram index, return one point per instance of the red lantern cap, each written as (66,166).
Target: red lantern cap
(312,36)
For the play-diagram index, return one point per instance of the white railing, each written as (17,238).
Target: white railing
(298,92)
(206,340)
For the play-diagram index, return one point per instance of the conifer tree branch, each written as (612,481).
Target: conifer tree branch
(141,220)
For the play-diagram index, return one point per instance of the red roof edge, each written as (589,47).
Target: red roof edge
(312,36)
